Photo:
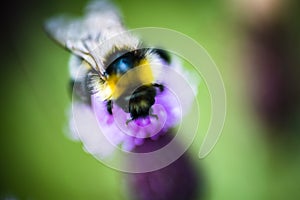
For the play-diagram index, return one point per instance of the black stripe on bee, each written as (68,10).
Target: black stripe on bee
(126,61)
(162,54)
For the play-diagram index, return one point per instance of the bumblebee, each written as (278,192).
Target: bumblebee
(137,91)
(103,53)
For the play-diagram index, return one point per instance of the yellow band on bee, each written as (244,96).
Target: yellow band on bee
(117,84)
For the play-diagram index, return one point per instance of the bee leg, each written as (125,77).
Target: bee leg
(128,120)
(109,106)
(159,86)
(152,115)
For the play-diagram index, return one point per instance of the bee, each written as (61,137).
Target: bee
(103,53)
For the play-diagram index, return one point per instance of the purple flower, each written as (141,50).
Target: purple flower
(115,128)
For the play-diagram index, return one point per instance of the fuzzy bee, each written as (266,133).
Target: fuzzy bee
(102,53)
(123,89)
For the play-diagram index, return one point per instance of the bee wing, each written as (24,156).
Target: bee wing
(70,33)
(64,29)
(99,15)
(82,36)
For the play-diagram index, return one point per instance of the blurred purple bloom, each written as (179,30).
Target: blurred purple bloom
(179,180)
(274,90)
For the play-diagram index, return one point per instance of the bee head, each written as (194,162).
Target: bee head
(139,103)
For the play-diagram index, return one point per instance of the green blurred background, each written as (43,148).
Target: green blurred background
(38,161)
